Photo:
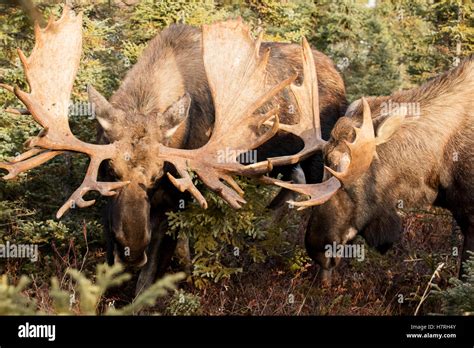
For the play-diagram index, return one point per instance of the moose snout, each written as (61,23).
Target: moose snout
(132,251)
(132,262)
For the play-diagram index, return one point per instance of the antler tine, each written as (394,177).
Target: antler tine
(361,151)
(7,87)
(90,183)
(50,71)
(319,193)
(309,126)
(238,81)
(185,183)
(18,111)
(16,167)
(26,155)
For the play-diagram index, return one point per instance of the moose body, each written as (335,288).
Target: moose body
(170,69)
(192,94)
(424,155)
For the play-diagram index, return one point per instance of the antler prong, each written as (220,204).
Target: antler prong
(15,168)
(15,111)
(23,59)
(7,87)
(26,155)
(185,183)
(319,193)
(233,184)
(90,183)
(270,94)
(50,72)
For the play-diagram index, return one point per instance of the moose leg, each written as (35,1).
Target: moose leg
(109,236)
(183,253)
(159,253)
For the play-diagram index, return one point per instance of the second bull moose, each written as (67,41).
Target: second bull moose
(380,156)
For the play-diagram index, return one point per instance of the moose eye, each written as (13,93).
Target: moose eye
(338,161)
(344,162)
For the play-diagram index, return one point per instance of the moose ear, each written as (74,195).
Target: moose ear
(388,127)
(176,115)
(103,110)
(353,107)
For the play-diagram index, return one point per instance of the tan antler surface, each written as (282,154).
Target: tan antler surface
(308,128)
(51,68)
(238,81)
(319,193)
(50,72)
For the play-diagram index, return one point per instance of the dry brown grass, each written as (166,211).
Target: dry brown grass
(371,287)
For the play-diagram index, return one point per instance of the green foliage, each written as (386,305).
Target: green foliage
(13,299)
(222,238)
(90,294)
(149,16)
(396,44)
(360,41)
(459,299)
(149,296)
(183,303)
(282,21)
(299,261)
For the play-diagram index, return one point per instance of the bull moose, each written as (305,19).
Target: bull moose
(379,156)
(191,94)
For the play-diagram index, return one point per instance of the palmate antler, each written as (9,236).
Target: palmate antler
(237,79)
(50,72)
(361,150)
(309,127)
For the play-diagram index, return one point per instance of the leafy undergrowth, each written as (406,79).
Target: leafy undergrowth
(86,294)
(390,284)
